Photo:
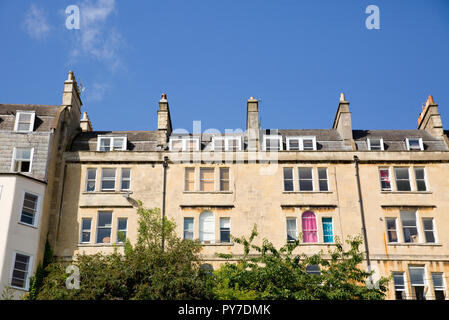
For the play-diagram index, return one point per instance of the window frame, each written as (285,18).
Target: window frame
(111,145)
(292,170)
(272,137)
(192,231)
(421,145)
(104,227)
(423,268)
(301,142)
(404,286)
(109,179)
(88,180)
(418,233)
(423,179)
(201,228)
(184,144)
(127,179)
(409,179)
(121,230)
(428,230)
(185,178)
(311,179)
(381,141)
(394,219)
(332,229)
(222,229)
(295,238)
(228,180)
(438,288)
(389,179)
(213,179)
(85,230)
(32,120)
(320,179)
(226,143)
(14,159)
(37,213)
(28,271)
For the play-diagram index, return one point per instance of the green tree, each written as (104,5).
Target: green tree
(264,272)
(142,271)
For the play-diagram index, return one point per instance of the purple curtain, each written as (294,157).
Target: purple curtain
(309,230)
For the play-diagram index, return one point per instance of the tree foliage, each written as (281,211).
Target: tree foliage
(142,271)
(273,273)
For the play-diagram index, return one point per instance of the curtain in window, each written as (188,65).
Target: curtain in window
(309,229)
(207,227)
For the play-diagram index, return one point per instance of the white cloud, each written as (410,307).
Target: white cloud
(96,92)
(96,38)
(36,23)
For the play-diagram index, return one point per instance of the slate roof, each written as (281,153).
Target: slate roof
(394,140)
(136,140)
(43,121)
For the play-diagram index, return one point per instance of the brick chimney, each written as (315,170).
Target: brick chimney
(85,123)
(429,119)
(164,125)
(252,123)
(342,122)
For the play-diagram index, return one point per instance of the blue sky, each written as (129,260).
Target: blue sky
(211,56)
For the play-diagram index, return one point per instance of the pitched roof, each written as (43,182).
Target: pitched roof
(43,121)
(136,140)
(394,140)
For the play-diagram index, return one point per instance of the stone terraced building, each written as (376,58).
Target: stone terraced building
(315,185)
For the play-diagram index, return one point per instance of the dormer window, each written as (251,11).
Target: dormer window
(24,121)
(184,144)
(307,143)
(272,143)
(111,143)
(376,144)
(226,143)
(414,144)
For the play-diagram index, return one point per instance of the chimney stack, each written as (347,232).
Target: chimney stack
(252,123)
(342,122)
(85,123)
(430,119)
(164,125)
(71,94)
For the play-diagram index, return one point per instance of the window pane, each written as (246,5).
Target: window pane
(225,229)
(108,185)
(391,230)
(322,179)
(409,226)
(188,228)
(305,179)
(29,207)
(219,144)
(86,223)
(272,143)
(207,227)
(176,145)
(293,144)
(109,173)
(414,144)
(91,173)
(420,180)
(119,143)
(207,179)
(309,227)
(328,236)
(291,229)
(104,235)
(416,276)
(105,144)
(20,270)
(224,179)
(23,154)
(313,269)
(402,179)
(104,219)
(308,144)
(288,179)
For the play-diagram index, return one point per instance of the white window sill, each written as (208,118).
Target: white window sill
(20,289)
(121,244)
(407,192)
(218,244)
(406,244)
(28,225)
(296,192)
(108,192)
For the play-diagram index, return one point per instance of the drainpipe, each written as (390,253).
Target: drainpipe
(362,213)
(165,165)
